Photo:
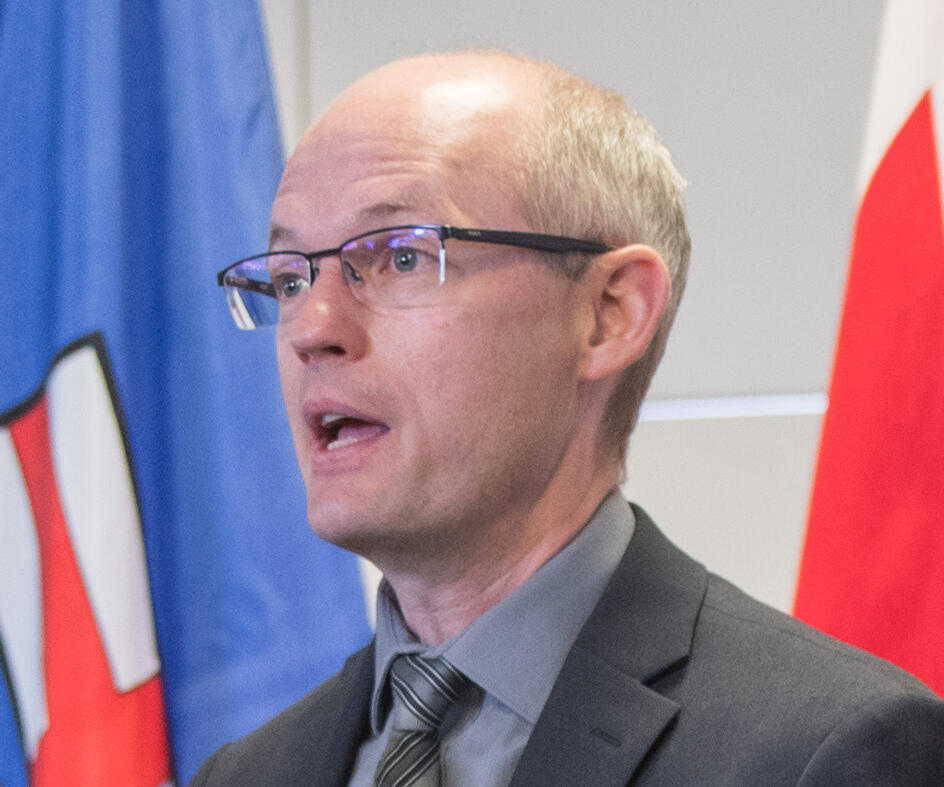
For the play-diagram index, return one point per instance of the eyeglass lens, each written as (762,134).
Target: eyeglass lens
(392,268)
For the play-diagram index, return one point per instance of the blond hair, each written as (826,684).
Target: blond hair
(594,168)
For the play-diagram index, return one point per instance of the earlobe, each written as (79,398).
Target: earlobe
(630,290)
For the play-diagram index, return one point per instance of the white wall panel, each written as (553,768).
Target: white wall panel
(732,492)
(289,55)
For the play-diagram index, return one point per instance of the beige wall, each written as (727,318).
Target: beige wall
(763,106)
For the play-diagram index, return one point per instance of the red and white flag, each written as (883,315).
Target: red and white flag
(75,608)
(872,571)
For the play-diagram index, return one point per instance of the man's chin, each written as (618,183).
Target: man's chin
(384,540)
(347,527)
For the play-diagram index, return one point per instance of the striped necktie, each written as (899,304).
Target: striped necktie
(423,691)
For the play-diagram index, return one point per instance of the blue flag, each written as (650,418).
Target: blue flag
(145,466)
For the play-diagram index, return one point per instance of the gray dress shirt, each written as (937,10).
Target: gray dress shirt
(512,653)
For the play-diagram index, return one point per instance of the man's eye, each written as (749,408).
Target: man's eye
(289,285)
(406,259)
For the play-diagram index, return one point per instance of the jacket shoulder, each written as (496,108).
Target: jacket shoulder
(308,737)
(747,630)
(764,693)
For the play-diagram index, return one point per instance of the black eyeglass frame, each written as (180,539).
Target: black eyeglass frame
(560,244)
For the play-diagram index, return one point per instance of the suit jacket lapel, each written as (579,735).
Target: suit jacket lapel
(602,717)
(342,721)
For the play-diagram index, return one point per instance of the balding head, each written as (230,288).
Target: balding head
(469,113)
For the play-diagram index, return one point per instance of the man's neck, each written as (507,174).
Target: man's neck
(440,601)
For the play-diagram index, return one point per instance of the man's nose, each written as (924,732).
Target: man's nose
(330,323)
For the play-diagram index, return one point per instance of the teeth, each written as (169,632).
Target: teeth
(330,418)
(340,443)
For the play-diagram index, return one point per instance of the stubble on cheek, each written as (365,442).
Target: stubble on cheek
(493,400)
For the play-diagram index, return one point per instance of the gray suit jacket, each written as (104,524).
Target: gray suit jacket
(677,678)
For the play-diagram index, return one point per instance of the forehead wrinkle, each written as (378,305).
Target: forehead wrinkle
(373,216)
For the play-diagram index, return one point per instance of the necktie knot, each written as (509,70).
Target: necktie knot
(424,689)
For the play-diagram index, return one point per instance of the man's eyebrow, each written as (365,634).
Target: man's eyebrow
(380,211)
(370,217)
(278,234)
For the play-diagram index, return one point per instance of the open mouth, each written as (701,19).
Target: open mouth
(338,430)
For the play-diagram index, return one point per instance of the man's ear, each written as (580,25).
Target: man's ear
(630,288)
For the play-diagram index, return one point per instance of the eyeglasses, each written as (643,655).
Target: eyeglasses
(394,267)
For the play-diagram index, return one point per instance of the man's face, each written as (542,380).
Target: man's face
(457,414)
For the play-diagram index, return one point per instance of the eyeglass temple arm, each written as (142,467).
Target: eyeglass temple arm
(528,240)
(243,283)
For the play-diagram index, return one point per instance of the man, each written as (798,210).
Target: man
(460,401)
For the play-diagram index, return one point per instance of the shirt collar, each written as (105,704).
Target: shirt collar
(515,650)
